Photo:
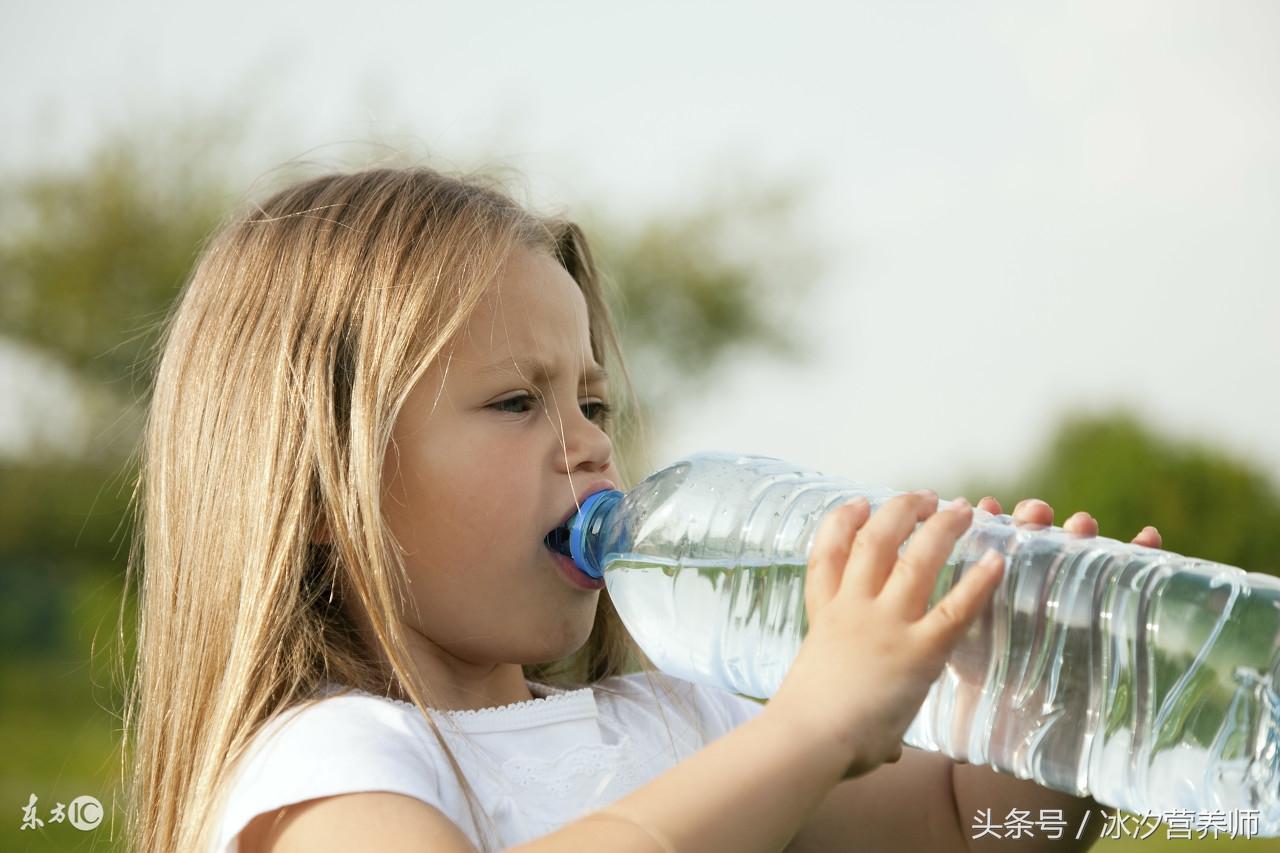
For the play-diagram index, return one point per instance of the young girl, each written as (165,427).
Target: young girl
(375,397)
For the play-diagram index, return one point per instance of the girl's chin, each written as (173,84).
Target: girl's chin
(561,641)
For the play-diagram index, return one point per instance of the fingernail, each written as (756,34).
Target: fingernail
(959,504)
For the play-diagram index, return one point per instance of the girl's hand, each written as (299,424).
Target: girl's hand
(1036,512)
(872,651)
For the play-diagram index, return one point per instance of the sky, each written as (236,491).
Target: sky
(1029,210)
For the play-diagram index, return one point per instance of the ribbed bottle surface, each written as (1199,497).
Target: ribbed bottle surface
(1142,677)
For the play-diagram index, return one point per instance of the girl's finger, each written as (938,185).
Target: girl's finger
(944,624)
(875,549)
(830,552)
(990,504)
(1149,537)
(1081,524)
(912,581)
(1033,511)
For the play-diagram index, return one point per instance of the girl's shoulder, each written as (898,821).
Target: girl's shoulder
(333,743)
(336,725)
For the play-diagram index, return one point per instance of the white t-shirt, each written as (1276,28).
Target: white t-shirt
(535,765)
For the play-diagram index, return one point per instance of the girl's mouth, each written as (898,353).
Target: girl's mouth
(558,540)
(557,543)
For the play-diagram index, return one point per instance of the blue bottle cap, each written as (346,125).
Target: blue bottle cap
(578,529)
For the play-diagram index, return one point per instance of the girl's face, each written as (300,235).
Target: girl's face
(487,457)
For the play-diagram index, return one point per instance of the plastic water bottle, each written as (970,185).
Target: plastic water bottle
(1144,678)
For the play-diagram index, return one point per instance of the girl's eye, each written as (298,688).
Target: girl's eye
(596,410)
(520,401)
(600,411)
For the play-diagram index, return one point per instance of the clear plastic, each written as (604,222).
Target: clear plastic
(1141,677)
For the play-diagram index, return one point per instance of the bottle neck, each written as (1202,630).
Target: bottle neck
(585,537)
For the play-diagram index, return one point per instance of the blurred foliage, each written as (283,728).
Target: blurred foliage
(696,285)
(693,288)
(91,257)
(1204,502)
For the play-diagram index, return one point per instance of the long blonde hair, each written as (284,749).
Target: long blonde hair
(286,358)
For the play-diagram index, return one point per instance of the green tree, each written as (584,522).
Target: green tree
(1205,503)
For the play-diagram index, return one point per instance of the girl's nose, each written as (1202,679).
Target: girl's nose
(586,442)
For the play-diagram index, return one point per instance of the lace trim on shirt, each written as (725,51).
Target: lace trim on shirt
(553,694)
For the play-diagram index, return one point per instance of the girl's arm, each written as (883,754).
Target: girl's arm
(979,788)
(926,801)
(749,790)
